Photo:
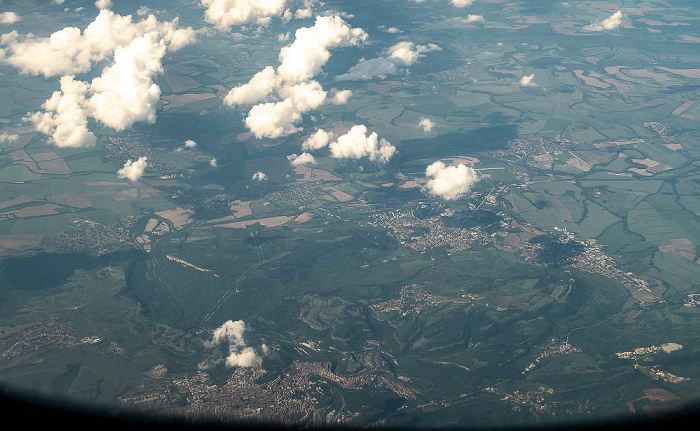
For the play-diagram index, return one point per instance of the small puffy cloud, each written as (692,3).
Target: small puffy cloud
(340,97)
(133,170)
(451,182)
(213,163)
(239,354)
(473,18)
(103,4)
(318,140)
(406,53)
(187,145)
(357,144)
(393,30)
(145,10)
(246,357)
(426,124)
(402,54)
(259,176)
(527,80)
(610,23)
(303,13)
(7,137)
(301,159)
(9,18)
(224,14)
(462,3)
(59,1)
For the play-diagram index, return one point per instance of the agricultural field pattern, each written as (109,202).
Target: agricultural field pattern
(396,213)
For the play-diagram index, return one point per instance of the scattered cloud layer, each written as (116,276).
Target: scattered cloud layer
(610,23)
(450,182)
(72,51)
(403,54)
(123,94)
(133,170)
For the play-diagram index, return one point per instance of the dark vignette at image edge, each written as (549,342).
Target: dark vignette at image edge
(32,413)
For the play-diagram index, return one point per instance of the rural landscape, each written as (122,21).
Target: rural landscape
(195,264)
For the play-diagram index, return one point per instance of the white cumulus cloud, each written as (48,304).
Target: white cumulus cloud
(472,18)
(341,97)
(224,14)
(318,140)
(527,80)
(190,143)
(257,89)
(357,144)
(310,50)
(259,176)
(71,51)
(301,159)
(103,4)
(123,94)
(451,182)
(426,124)
(9,18)
(239,354)
(284,94)
(7,137)
(65,120)
(133,170)
(610,23)
(462,3)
